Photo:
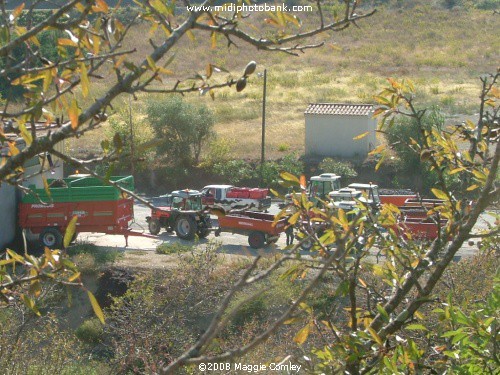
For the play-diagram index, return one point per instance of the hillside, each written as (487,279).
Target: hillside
(442,51)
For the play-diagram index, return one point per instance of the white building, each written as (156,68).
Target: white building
(331,127)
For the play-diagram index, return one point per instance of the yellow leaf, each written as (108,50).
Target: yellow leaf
(377,150)
(84,79)
(440,194)
(70,231)
(74,277)
(289,177)
(73,113)
(472,187)
(95,305)
(190,35)
(17,12)
(375,336)
(213,39)
(151,62)
(46,186)
(302,335)
(66,42)
(164,71)
(293,219)
(102,5)
(361,136)
(13,150)
(25,133)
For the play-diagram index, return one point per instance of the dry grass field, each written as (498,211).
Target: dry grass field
(442,51)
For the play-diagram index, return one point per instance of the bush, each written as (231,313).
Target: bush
(90,331)
(342,168)
(89,256)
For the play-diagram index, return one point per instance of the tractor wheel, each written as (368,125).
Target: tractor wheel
(273,240)
(51,238)
(186,227)
(203,232)
(256,240)
(154,226)
(306,245)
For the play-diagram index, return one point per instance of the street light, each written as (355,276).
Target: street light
(262,152)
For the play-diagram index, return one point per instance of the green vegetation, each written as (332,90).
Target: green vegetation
(91,258)
(406,138)
(344,169)
(182,128)
(173,248)
(90,331)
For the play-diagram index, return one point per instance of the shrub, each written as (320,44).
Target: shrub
(283,147)
(342,168)
(90,256)
(90,331)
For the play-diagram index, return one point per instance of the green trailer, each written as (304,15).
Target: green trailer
(80,188)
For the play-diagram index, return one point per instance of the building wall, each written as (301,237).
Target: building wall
(8,214)
(332,135)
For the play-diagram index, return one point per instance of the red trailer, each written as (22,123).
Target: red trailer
(99,207)
(50,221)
(260,227)
(419,228)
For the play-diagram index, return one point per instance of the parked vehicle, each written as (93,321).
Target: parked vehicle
(99,207)
(182,212)
(423,228)
(318,188)
(231,197)
(260,227)
(397,197)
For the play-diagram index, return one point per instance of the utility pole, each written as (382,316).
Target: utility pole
(132,146)
(262,151)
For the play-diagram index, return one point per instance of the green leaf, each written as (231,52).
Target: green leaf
(70,231)
(416,327)
(95,305)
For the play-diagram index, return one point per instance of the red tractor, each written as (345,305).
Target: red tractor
(182,212)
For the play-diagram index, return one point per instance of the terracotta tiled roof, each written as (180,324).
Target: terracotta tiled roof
(339,109)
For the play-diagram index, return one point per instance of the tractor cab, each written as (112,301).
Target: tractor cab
(345,195)
(186,200)
(320,186)
(370,193)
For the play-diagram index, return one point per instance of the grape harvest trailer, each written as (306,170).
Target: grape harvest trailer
(99,207)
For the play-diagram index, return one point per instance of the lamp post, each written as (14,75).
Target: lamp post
(262,150)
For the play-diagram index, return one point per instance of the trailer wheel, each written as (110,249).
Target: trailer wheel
(203,232)
(186,227)
(154,226)
(256,240)
(51,237)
